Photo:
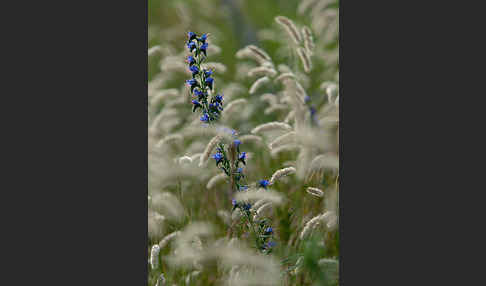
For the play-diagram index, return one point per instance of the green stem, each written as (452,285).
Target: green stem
(253,230)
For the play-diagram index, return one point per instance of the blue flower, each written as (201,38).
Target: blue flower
(194,70)
(203,38)
(191,60)
(218,157)
(198,93)
(204,118)
(203,48)
(191,36)
(192,83)
(270,244)
(268,230)
(233,202)
(196,105)
(209,81)
(264,183)
(218,98)
(246,206)
(216,106)
(237,143)
(312,110)
(191,46)
(240,170)
(242,156)
(243,188)
(208,73)
(219,149)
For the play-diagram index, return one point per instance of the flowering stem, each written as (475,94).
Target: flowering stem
(200,76)
(232,155)
(250,222)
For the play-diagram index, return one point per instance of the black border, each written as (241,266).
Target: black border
(82,145)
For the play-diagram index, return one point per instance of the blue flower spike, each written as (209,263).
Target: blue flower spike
(211,106)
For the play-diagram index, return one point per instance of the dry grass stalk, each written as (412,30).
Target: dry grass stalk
(308,40)
(315,192)
(209,148)
(232,105)
(280,173)
(290,27)
(262,71)
(258,83)
(215,180)
(153,50)
(275,125)
(282,139)
(305,59)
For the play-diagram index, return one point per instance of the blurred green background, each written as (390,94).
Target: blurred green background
(238,20)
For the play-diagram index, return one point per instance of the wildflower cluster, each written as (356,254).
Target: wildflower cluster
(260,228)
(266,236)
(202,83)
(229,159)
